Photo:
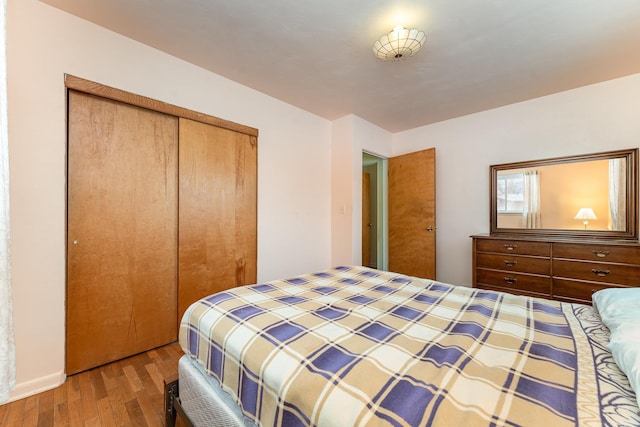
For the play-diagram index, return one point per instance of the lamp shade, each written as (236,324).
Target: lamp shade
(399,44)
(585,213)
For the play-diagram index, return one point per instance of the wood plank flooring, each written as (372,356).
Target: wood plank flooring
(129,392)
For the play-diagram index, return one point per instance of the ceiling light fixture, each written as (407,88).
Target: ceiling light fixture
(399,44)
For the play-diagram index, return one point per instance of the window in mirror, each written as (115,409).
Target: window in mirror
(510,193)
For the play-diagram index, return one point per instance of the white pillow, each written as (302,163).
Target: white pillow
(617,305)
(627,357)
(619,309)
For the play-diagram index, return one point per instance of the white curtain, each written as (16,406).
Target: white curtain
(531,208)
(7,345)
(617,194)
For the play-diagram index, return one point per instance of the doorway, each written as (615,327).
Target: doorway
(398,213)
(374,211)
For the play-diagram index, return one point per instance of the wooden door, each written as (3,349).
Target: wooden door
(366,219)
(121,231)
(218,211)
(412,214)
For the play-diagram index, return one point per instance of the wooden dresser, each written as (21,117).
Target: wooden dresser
(565,270)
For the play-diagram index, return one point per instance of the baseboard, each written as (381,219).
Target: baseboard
(29,388)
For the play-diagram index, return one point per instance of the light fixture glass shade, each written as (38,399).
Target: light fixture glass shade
(585,213)
(399,44)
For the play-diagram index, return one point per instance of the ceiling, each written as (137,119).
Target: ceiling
(316,54)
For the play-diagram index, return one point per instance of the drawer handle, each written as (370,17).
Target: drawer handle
(600,273)
(510,247)
(600,254)
(510,280)
(510,263)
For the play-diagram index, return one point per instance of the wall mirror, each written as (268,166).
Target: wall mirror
(590,195)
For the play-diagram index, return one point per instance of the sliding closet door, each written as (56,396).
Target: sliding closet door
(217,216)
(122,231)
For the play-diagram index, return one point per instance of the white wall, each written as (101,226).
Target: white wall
(294,193)
(342,197)
(590,119)
(351,136)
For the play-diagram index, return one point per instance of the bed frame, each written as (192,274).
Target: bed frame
(174,414)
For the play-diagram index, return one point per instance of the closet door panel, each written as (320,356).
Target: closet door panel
(247,209)
(217,211)
(122,231)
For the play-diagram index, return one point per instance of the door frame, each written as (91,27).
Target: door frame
(380,186)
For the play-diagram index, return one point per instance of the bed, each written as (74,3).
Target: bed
(357,346)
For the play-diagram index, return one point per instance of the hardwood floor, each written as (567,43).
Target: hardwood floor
(129,392)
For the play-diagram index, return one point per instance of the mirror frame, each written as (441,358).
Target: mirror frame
(631,229)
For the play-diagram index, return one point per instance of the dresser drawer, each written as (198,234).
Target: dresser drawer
(514,247)
(506,279)
(521,264)
(577,290)
(512,291)
(621,274)
(605,253)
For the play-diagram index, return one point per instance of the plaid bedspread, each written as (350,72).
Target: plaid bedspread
(355,346)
